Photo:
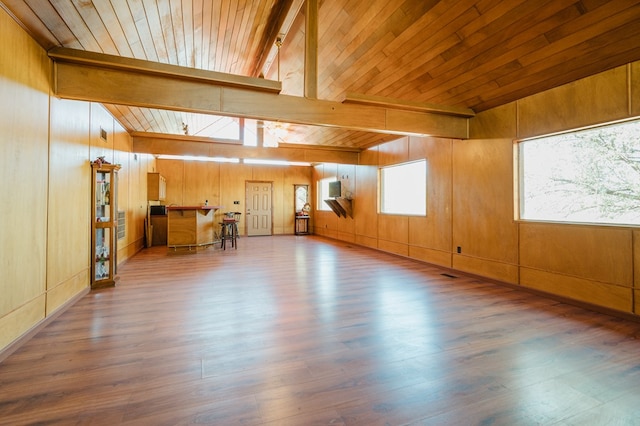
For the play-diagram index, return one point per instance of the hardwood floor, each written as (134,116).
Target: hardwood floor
(307,331)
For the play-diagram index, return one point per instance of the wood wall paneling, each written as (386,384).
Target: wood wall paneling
(69,202)
(71,287)
(496,123)
(19,321)
(139,192)
(393,228)
(24,116)
(101,119)
(434,230)
(394,152)
(174,173)
(590,252)
(497,270)
(597,99)
(231,187)
(436,257)
(24,173)
(483,224)
(347,178)
(585,290)
(201,182)
(634,90)
(193,182)
(593,264)
(121,155)
(365,206)
(45,148)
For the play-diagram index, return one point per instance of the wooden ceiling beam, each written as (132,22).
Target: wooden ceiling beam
(311,50)
(61,55)
(356,98)
(121,81)
(158,144)
(279,23)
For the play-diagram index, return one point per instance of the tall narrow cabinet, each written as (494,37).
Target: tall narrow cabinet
(104,224)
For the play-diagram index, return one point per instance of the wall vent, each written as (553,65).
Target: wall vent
(121,224)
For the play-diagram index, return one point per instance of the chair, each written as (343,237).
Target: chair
(229,229)
(236,216)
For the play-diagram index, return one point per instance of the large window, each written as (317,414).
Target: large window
(403,189)
(590,176)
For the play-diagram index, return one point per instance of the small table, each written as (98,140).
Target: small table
(302,225)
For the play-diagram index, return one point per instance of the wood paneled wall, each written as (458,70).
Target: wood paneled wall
(193,182)
(69,202)
(46,145)
(424,238)
(471,201)
(24,175)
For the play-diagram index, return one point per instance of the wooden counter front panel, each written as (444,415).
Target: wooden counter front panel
(189,226)
(181,227)
(204,227)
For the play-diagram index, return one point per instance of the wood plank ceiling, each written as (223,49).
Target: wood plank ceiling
(476,54)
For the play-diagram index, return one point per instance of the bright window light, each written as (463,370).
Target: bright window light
(274,162)
(250,132)
(587,176)
(403,189)
(198,158)
(323,193)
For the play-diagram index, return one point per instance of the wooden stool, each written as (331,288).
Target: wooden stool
(228,231)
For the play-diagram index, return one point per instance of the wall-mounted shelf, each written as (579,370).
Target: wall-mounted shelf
(341,206)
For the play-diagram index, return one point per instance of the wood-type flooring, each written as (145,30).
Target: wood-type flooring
(301,330)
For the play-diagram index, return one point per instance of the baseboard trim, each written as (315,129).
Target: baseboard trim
(630,316)
(16,344)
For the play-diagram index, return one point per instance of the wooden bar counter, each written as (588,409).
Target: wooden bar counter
(190,226)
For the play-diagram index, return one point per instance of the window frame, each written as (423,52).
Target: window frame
(519,178)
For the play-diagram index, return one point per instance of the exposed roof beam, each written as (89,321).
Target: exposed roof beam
(283,15)
(176,145)
(356,98)
(103,61)
(311,50)
(107,79)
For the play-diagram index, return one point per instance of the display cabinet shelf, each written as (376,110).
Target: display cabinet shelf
(104,223)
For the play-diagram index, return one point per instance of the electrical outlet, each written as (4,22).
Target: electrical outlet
(459,249)
(236,202)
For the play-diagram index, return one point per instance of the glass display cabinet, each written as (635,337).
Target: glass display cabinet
(103,224)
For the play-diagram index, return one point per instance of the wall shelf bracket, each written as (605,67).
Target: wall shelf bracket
(341,206)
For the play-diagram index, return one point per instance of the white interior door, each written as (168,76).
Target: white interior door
(259,212)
